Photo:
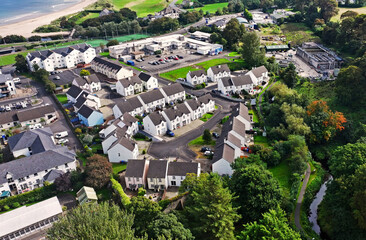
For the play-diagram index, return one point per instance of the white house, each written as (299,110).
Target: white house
(111,68)
(73,93)
(196,77)
(136,171)
(88,100)
(132,106)
(216,72)
(259,74)
(155,124)
(207,102)
(152,100)
(137,84)
(225,85)
(177,171)
(44,114)
(124,87)
(157,178)
(223,158)
(8,120)
(173,93)
(67,57)
(122,150)
(243,82)
(195,108)
(126,122)
(89,83)
(148,81)
(177,117)
(7,85)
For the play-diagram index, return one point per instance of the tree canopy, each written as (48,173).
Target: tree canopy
(98,171)
(251,52)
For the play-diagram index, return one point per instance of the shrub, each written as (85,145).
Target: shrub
(6,208)
(125,200)
(78,130)
(15,205)
(141,191)
(144,151)
(164,203)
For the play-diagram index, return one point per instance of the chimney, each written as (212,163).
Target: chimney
(219,66)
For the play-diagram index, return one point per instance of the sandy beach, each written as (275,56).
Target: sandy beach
(26,27)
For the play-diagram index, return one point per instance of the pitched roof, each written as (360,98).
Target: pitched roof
(135,168)
(87,80)
(239,127)
(52,175)
(183,108)
(234,140)
(151,96)
(128,144)
(39,140)
(259,71)
(85,111)
(242,80)
(220,68)
(36,163)
(62,51)
(134,102)
(144,76)
(182,168)
(173,89)
(135,80)
(125,83)
(228,153)
(35,113)
(197,73)
(127,119)
(74,91)
(193,104)
(226,81)
(171,113)
(111,65)
(8,117)
(5,77)
(205,98)
(244,112)
(79,102)
(156,118)
(157,169)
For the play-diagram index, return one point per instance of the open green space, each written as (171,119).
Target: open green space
(361,10)
(117,167)
(90,15)
(283,174)
(213,62)
(62,98)
(234,54)
(255,116)
(141,7)
(10,59)
(206,117)
(200,142)
(298,33)
(177,73)
(261,140)
(212,8)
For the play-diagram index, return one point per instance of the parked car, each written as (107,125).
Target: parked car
(158,56)
(208,153)
(170,133)
(215,135)
(8,108)
(204,149)
(57,78)
(63,141)
(61,134)
(2,109)
(16,80)
(180,57)
(18,106)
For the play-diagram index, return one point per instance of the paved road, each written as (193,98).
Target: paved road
(301,198)
(178,148)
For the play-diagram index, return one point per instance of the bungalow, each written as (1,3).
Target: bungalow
(132,106)
(89,83)
(259,75)
(155,124)
(148,81)
(122,150)
(45,114)
(136,171)
(207,102)
(86,195)
(152,100)
(216,72)
(173,93)
(177,171)
(90,117)
(110,68)
(73,93)
(196,77)
(157,178)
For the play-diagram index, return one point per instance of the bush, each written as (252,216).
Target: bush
(78,130)
(141,191)
(125,200)
(15,205)
(6,208)
(164,203)
(144,151)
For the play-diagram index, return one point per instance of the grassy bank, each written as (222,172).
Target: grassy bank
(212,8)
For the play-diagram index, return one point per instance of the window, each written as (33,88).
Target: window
(173,177)
(159,179)
(36,174)
(66,165)
(45,170)
(174,183)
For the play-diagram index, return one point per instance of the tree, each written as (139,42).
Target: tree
(84,72)
(250,51)
(98,171)
(273,225)
(128,13)
(21,63)
(348,84)
(232,33)
(256,190)
(359,196)
(163,25)
(349,13)
(63,182)
(112,42)
(145,212)
(96,221)
(208,210)
(289,76)
(328,9)
(167,225)
(207,136)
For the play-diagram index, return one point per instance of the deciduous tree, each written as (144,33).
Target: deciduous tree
(98,171)
(251,52)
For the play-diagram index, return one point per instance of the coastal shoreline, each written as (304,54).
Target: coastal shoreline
(26,27)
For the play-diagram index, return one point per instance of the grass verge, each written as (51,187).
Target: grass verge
(206,117)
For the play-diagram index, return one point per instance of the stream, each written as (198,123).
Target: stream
(313,218)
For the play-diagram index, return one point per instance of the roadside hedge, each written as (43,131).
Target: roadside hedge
(125,200)
(36,195)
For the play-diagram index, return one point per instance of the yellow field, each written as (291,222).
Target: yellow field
(361,10)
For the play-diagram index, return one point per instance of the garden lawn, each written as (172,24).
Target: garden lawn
(255,116)
(261,140)
(213,62)
(141,7)
(297,33)
(200,142)
(10,59)
(117,167)
(62,98)
(90,15)
(177,73)
(283,174)
(212,8)
(234,54)
(206,117)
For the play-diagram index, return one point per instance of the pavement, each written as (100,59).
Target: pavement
(301,198)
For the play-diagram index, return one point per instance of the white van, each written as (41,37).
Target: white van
(61,134)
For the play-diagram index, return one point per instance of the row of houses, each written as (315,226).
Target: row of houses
(214,74)
(136,84)
(39,160)
(89,83)
(111,68)
(157,123)
(67,57)
(233,140)
(26,118)
(158,174)
(236,84)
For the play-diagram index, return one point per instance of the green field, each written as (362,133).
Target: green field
(361,10)
(283,174)
(297,33)
(261,140)
(200,142)
(213,62)
(142,7)
(117,167)
(10,59)
(62,98)
(90,15)
(212,8)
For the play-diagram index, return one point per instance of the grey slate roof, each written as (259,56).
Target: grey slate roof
(52,175)
(151,96)
(125,83)
(26,166)
(135,102)
(35,113)
(173,89)
(63,51)
(220,68)
(87,79)
(8,117)
(144,76)
(128,119)
(193,104)
(129,105)
(156,118)
(171,113)
(259,71)
(128,144)
(197,73)
(135,80)
(182,168)
(5,77)
(242,80)
(111,65)
(74,91)
(79,102)
(39,140)
(183,108)
(135,168)
(226,81)
(205,98)
(85,111)
(157,169)
(244,112)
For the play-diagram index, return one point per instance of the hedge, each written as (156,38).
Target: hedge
(125,200)
(36,195)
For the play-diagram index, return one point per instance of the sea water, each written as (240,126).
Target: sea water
(12,11)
